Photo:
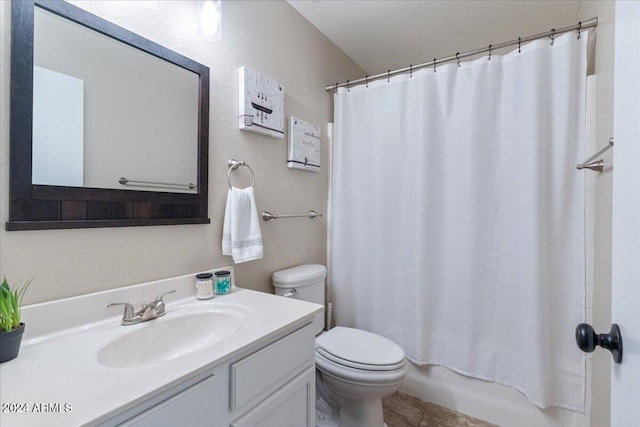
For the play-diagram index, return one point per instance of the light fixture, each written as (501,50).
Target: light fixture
(210,19)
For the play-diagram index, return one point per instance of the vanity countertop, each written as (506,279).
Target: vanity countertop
(57,378)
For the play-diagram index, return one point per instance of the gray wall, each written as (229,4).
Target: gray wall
(267,36)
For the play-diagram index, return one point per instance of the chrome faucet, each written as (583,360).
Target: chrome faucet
(156,308)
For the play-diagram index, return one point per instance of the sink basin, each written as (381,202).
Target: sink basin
(170,337)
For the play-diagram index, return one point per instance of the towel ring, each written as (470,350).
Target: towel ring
(235,164)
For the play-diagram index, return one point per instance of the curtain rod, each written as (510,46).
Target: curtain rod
(593,22)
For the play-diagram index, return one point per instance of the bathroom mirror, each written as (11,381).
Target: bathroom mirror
(107,128)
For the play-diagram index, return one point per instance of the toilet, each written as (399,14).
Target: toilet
(355,369)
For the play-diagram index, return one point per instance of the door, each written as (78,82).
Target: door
(625,377)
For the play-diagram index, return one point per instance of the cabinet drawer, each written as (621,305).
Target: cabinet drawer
(268,369)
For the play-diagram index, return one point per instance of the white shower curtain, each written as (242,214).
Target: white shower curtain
(458,216)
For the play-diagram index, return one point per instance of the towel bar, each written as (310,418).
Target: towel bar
(591,163)
(266,215)
(125,181)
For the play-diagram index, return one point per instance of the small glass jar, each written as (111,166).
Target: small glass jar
(223,282)
(204,286)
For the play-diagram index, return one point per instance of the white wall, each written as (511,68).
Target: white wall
(625,377)
(268,36)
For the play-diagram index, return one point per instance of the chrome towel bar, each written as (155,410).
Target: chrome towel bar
(126,181)
(266,215)
(593,164)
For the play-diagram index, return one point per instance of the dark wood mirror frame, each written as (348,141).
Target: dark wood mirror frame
(40,207)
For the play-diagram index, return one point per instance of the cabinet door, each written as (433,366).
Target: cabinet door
(192,407)
(293,405)
(257,376)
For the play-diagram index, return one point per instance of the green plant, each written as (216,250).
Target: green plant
(10,302)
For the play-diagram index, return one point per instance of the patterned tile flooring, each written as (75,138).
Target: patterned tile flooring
(402,410)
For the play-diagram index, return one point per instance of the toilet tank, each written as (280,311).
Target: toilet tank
(304,282)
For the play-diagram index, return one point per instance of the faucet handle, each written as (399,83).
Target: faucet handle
(159,297)
(159,303)
(129,311)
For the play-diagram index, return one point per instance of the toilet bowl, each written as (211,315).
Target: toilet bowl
(355,368)
(359,368)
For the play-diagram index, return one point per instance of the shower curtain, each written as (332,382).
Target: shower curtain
(458,216)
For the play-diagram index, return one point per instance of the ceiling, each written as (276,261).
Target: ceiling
(389,34)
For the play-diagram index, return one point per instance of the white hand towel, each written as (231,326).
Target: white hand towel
(241,235)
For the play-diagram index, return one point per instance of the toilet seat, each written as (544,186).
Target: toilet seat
(357,349)
(355,365)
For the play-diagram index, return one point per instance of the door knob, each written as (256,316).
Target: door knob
(587,340)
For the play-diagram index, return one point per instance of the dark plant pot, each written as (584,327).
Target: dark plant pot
(10,343)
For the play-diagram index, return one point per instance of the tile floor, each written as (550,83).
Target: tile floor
(402,410)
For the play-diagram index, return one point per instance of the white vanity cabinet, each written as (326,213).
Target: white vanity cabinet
(245,359)
(269,385)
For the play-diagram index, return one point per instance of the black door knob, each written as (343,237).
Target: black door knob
(587,340)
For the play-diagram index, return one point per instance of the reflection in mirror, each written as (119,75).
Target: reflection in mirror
(107,128)
(104,110)
(58,128)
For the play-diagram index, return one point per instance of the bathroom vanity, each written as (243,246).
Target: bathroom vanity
(243,359)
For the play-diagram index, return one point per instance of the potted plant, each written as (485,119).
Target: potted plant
(11,329)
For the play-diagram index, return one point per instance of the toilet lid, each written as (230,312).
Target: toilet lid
(359,349)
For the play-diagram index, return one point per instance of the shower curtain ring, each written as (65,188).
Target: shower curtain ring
(579,29)
(366,81)
(490,50)
(553,35)
(458,58)
(519,45)
(434,65)
(348,88)
(388,75)
(410,70)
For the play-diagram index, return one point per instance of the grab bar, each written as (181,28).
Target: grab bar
(266,215)
(127,181)
(591,163)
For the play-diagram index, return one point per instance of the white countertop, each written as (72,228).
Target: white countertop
(59,365)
